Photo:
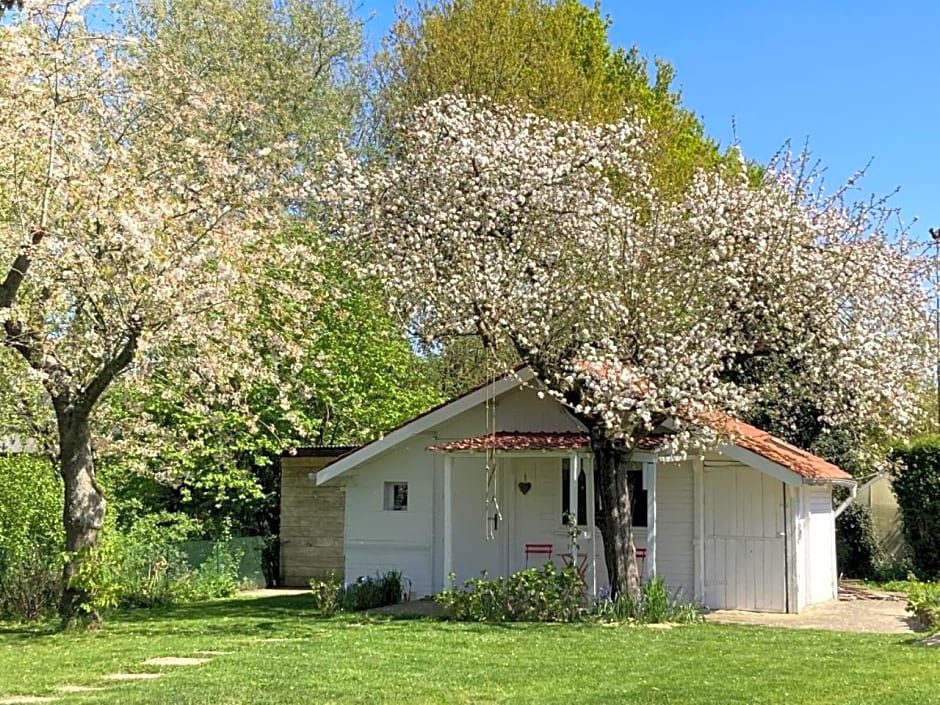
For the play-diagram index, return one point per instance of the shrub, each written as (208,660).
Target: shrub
(532,595)
(30,537)
(916,485)
(327,595)
(923,601)
(857,550)
(146,566)
(655,605)
(30,588)
(330,596)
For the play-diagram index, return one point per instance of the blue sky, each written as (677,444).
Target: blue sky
(860,80)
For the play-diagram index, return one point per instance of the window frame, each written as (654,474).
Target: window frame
(639,496)
(391,496)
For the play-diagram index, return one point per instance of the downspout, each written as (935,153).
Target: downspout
(853,492)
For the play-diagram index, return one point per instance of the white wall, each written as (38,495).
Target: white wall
(819,549)
(377,540)
(675,527)
(412,541)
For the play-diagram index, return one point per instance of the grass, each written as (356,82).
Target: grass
(280,653)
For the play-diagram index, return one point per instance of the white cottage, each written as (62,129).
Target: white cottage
(748,526)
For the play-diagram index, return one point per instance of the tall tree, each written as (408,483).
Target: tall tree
(550,57)
(352,371)
(553,239)
(137,237)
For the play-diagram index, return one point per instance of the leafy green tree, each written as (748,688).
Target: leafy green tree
(144,198)
(551,57)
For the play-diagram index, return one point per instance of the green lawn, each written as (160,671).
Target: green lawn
(279,653)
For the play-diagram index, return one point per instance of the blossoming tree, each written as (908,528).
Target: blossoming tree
(135,236)
(551,240)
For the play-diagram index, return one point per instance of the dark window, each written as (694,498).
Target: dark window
(637,497)
(396,497)
(634,482)
(566,494)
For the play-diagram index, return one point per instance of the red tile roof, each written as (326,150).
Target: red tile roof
(532,440)
(741,434)
(776,449)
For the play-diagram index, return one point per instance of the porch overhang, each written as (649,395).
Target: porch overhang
(539,443)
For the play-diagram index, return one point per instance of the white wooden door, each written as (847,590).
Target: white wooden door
(819,546)
(745,547)
(479,543)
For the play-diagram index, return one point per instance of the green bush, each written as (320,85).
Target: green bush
(916,485)
(31,587)
(532,595)
(30,537)
(656,605)
(857,551)
(923,601)
(147,566)
(365,593)
(327,595)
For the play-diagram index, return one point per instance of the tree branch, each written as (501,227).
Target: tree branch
(14,278)
(114,366)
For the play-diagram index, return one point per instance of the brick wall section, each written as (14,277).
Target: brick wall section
(312,522)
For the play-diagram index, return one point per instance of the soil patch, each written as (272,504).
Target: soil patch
(175,661)
(14,699)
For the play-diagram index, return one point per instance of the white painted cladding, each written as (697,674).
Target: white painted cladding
(377,540)
(745,520)
(819,549)
(675,521)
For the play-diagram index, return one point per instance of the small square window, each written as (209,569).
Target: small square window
(396,496)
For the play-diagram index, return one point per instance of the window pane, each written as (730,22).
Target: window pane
(637,497)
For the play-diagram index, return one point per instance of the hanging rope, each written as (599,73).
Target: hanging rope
(492,515)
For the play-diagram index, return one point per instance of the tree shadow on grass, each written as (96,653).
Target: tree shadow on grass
(277,617)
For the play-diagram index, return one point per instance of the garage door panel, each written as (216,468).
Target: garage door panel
(744,543)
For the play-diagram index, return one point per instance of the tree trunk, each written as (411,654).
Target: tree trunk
(83,516)
(615,518)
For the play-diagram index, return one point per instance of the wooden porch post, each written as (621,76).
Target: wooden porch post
(649,476)
(573,505)
(448,517)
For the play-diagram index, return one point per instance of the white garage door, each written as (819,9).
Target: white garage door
(745,564)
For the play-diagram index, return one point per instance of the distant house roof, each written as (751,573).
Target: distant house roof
(318,451)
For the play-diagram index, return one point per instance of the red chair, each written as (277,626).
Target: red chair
(641,559)
(537,549)
(582,562)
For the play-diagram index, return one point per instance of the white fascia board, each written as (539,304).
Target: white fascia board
(766,466)
(424,423)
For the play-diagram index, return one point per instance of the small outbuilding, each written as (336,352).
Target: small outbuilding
(749,525)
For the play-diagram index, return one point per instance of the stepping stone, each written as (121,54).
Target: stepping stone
(130,676)
(69,688)
(16,699)
(175,661)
